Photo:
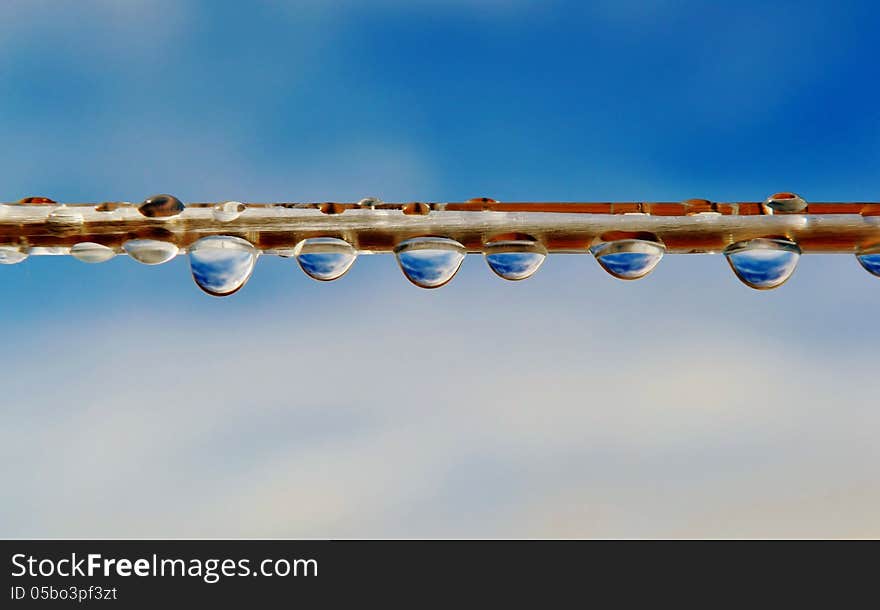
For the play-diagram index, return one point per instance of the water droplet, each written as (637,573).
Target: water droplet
(331,207)
(763,263)
(870,260)
(416,208)
(37,200)
(628,259)
(150,251)
(325,258)
(784,202)
(429,262)
(111,206)
(90,252)
(228,210)
(161,206)
(222,264)
(515,259)
(10,255)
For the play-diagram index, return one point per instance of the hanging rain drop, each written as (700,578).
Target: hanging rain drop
(628,259)
(150,251)
(429,262)
(869,258)
(515,259)
(222,264)
(763,263)
(90,252)
(10,255)
(325,258)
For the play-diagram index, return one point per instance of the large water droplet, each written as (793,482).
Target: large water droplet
(10,255)
(763,263)
(161,206)
(429,262)
(870,260)
(150,251)
(228,210)
(628,259)
(325,258)
(90,252)
(515,259)
(222,264)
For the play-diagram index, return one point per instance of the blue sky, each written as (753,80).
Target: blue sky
(571,404)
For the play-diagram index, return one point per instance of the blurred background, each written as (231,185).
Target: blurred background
(571,404)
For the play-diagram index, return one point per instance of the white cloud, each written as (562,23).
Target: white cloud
(414,416)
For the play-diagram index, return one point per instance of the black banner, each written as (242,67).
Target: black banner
(146,573)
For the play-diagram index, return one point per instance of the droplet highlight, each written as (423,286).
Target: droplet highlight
(325,258)
(228,210)
(222,264)
(150,251)
(516,259)
(763,263)
(161,206)
(430,262)
(628,259)
(10,255)
(90,252)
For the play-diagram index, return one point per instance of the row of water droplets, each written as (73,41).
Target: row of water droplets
(222,264)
